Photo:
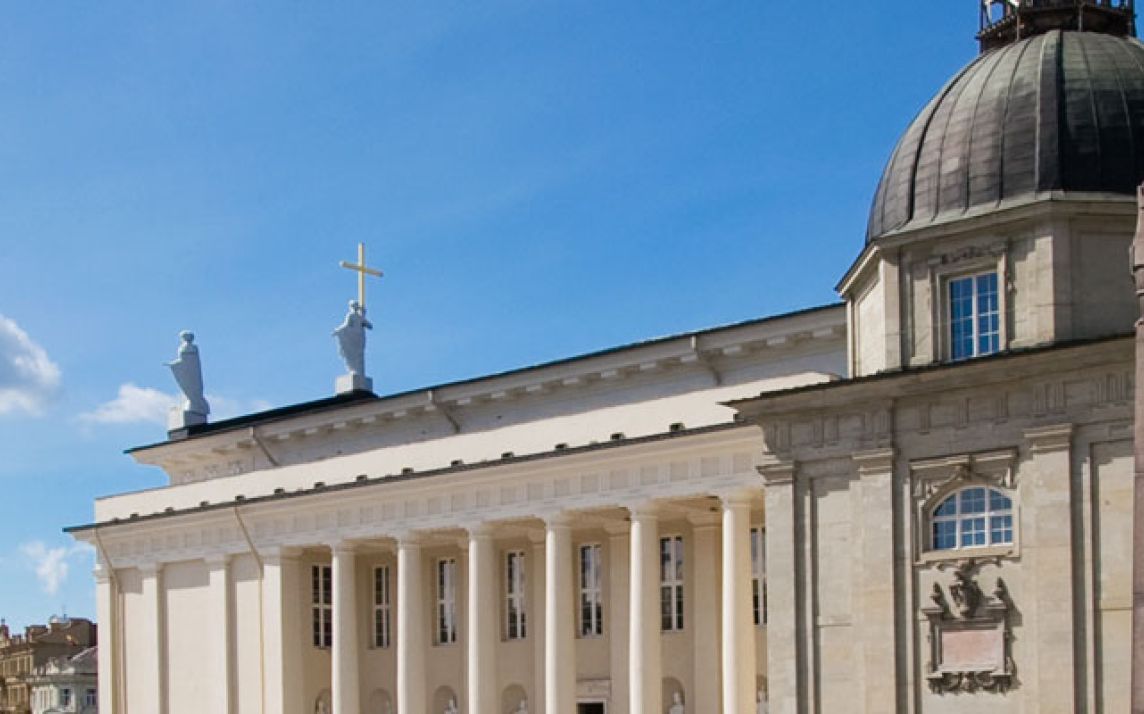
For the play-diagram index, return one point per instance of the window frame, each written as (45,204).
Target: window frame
(322,605)
(515,596)
(445,577)
(959,518)
(590,589)
(975,313)
(672,577)
(759,575)
(382,607)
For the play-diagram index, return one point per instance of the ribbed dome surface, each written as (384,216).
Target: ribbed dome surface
(1061,111)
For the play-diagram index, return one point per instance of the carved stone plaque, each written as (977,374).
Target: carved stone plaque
(969,642)
(973,649)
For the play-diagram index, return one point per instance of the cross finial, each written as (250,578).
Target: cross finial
(360,268)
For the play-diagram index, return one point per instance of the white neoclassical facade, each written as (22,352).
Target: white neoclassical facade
(585,536)
(918,501)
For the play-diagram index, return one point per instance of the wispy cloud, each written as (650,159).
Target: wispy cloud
(51,565)
(134,405)
(28,378)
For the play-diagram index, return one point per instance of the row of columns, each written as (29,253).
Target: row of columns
(413,639)
(645,665)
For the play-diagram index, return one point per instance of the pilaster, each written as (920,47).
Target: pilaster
(219,621)
(110,666)
(875,602)
(152,664)
(281,641)
(1048,516)
(784,650)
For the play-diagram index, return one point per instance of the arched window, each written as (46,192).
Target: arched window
(973,517)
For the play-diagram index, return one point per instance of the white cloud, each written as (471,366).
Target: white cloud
(133,404)
(51,565)
(136,404)
(28,378)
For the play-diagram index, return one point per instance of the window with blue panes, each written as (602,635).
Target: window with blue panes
(973,517)
(974,316)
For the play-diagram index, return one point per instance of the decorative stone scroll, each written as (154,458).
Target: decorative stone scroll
(969,641)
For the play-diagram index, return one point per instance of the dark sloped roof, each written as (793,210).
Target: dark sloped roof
(1060,111)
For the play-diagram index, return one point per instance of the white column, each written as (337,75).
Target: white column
(537,620)
(346,693)
(645,667)
(617,614)
(482,621)
(281,637)
(220,637)
(738,623)
(106,599)
(412,640)
(152,663)
(559,632)
(704,595)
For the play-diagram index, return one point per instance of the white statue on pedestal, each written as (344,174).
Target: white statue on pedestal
(761,703)
(451,707)
(188,372)
(351,346)
(522,708)
(676,704)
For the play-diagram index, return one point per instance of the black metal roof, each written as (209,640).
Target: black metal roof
(1059,111)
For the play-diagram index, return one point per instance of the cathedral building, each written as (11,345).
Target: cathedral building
(916,500)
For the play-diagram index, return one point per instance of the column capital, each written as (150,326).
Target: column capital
(874,461)
(150,569)
(276,554)
(408,538)
(647,510)
(215,561)
(342,547)
(776,471)
(102,573)
(738,497)
(1046,439)
(479,529)
(556,519)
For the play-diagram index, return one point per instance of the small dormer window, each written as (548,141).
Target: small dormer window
(974,316)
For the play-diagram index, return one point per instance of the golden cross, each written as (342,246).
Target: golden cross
(360,268)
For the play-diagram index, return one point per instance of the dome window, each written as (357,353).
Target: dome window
(974,316)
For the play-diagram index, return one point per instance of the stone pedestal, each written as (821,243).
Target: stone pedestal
(179,418)
(349,383)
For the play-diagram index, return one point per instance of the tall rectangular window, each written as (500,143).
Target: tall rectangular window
(322,598)
(671,583)
(591,595)
(446,601)
(381,606)
(759,574)
(514,595)
(974,316)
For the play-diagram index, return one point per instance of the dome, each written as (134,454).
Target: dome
(1059,111)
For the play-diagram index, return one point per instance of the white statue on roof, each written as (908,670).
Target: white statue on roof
(188,372)
(351,347)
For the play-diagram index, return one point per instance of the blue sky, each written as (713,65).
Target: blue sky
(537,180)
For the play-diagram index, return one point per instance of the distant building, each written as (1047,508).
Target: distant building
(22,655)
(67,685)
